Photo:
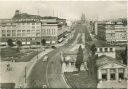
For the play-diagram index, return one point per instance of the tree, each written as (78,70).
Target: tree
(10,43)
(93,49)
(43,42)
(124,21)
(124,56)
(79,59)
(19,44)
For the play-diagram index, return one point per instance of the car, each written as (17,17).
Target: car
(44,86)
(45,58)
(53,47)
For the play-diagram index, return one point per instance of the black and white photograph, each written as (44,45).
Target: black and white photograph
(63,44)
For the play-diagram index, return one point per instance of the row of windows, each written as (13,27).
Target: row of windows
(18,35)
(49,31)
(113,74)
(105,49)
(33,27)
(4,31)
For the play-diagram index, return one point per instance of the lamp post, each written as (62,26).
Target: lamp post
(37,53)
(25,74)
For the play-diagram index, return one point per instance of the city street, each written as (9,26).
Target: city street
(48,72)
(63,44)
(52,76)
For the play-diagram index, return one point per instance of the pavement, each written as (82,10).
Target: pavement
(112,84)
(50,74)
(17,74)
(13,75)
(55,78)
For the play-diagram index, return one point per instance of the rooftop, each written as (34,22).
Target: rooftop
(103,60)
(101,43)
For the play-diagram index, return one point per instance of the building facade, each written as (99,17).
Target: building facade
(108,51)
(31,29)
(111,73)
(99,29)
(49,33)
(116,35)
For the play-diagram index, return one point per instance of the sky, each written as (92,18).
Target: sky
(66,9)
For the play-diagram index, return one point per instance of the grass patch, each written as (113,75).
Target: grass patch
(8,52)
(82,80)
(24,56)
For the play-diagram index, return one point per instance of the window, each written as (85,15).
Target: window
(121,73)
(101,49)
(13,31)
(18,30)
(3,31)
(18,34)
(8,35)
(23,30)
(33,27)
(3,35)
(111,49)
(112,74)
(13,34)
(28,30)
(104,77)
(33,23)
(8,31)
(96,49)
(106,49)
(104,74)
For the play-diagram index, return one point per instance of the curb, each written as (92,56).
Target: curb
(65,80)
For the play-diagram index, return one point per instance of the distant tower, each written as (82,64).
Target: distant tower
(83,17)
(17,12)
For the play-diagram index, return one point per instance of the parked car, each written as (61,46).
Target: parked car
(44,86)
(53,47)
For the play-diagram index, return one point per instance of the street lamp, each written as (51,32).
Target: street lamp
(37,53)
(25,74)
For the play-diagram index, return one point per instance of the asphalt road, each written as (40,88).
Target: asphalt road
(49,73)
(42,71)
(54,76)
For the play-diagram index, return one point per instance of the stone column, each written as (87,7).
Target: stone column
(117,74)
(99,74)
(108,74)
(126,72)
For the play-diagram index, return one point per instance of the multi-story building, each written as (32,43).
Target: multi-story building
(99,28)
(111,31)
(49,33)
(31,29)
(116,34)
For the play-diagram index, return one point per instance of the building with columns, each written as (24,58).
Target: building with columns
(111,73)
